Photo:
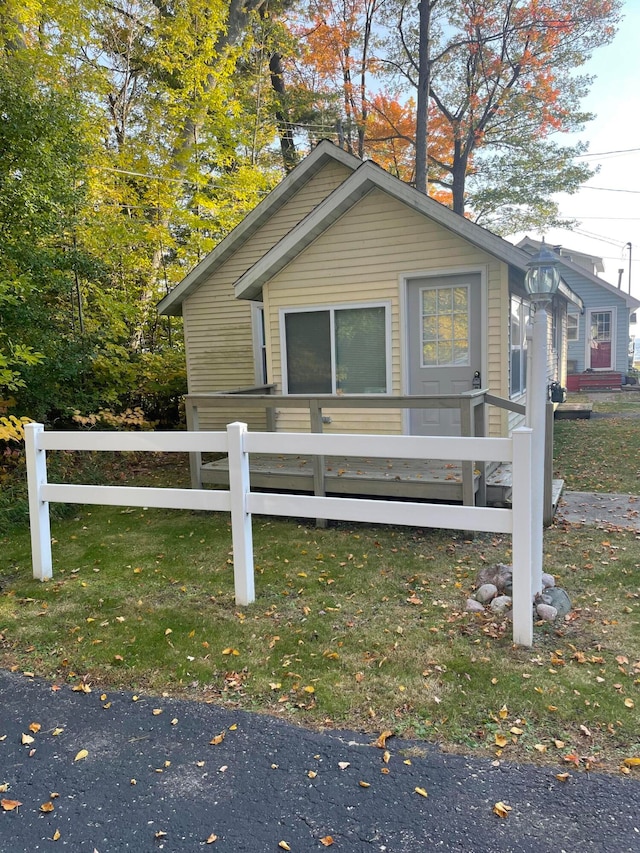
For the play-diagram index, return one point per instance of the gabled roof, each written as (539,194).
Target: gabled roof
(631,302)
(369,176)
(322,154)
(564,252)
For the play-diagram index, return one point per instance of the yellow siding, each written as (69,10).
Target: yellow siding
(361,259)
(217,326)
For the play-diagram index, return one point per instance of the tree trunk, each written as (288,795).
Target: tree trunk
(458,176)
(422,112)
(285,131)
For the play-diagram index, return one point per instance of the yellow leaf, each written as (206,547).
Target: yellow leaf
(309,689)
(174,722)
(632,762)
(421,791)
(327,841)
(103,697)
(4,787)
(47,807)
(230,651)
(629,703)
(559,744)
(168,631)
(56,732)
(503,713)
(35,727)
(381,742)
(82,754)
(284,845)
(364,784)
(26,739)
(562,777)
(213,837)
(275,685)
(386,756)
(81,688)
(502,809)
(312,774)
(501,741)
(540,747)
(56,835)
(516,731)
(10,805)
(156,711)
(106,706)
(233,727)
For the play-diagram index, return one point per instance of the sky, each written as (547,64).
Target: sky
(608,206)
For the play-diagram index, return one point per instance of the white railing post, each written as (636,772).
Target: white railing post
(523,537)
(239,486)
(38,509)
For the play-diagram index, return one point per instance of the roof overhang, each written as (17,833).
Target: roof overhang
(322,154)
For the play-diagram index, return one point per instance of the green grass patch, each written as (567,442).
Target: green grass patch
(353,626)
(601,454)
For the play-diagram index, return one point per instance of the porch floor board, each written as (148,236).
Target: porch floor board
(414,479)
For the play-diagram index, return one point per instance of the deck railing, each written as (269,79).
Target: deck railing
(241,502)
(472,406)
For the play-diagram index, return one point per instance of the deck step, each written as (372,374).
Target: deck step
(573,411)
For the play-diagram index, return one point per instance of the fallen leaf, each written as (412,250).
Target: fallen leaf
(343,764)
(629,762)
(540,747)
(35,727)
(585,731)
(56,732)
(502,809)
(559,744)
(381,741)
(629,703)
(82,754)
(56,835)
(516,731)
(572,758)
(168,631)
(27,739)
(217,739)
(213,837)
(421,791)
(160,834)
(81,688)
(4,787)
(47,807)
(156,711)
(562,777)
(327,841)
(10,805)
(284,845)
(309,689)
(503,713)
(312,774)
(233,727)
(386,756)
(501,741)
(364,784)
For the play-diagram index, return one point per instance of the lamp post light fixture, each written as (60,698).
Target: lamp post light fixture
(541,282)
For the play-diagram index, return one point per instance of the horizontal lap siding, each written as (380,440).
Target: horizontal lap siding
(217,326)
(360,259)
(597,298)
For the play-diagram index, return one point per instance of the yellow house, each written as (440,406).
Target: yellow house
(346,281)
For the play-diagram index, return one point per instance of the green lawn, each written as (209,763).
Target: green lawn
(353,626)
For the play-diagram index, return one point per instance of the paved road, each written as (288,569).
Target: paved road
(254,790)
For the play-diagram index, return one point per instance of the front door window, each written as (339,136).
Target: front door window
(600,340)
(445,326)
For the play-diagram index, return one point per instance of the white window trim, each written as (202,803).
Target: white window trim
(526,305)
(258,337)
(576,316)
(386,304)
(603,309)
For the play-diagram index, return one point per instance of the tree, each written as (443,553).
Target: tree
(502,83)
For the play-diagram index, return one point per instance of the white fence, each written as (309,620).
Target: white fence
(241,502)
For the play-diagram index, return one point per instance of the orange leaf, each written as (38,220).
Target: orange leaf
(562,777)
(217,739)
(573,758)
(10,805)
(381,741)
(35,727)
(327,841)
(47,807)
(502,809)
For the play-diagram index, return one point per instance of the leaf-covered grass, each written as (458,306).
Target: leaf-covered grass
(353,626)
(601,454)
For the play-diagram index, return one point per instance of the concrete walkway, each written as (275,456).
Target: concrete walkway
(600,509)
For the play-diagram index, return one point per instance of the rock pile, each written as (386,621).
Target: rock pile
(494,590)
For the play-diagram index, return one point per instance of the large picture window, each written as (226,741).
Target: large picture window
(518,346)
(336,350)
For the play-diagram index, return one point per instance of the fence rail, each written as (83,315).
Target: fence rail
(241,502)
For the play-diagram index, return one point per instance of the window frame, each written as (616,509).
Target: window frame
(571,316)
(437,288)
(331,309)
(524,316)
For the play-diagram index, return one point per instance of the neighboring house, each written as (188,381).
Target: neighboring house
(344,280)
(598,337)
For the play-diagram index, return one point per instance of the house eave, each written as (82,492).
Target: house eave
(323,153)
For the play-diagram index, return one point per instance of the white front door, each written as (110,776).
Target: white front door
(444,345)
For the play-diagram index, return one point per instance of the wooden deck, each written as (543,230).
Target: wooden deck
(400,478)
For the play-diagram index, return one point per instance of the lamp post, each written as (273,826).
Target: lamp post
(541,282)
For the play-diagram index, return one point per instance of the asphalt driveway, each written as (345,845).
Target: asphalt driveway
(144,775)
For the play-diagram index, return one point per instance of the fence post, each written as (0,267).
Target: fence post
(239,486)
(315,422)
(195,457)
(38,509)
(523,533)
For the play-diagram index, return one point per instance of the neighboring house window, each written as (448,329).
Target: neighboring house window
(337,350)
(518,346)
(573,327)
(259,343)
